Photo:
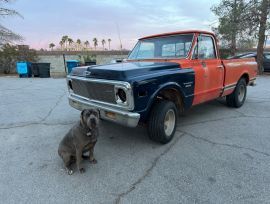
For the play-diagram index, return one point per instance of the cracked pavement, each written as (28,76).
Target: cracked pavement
(218,155)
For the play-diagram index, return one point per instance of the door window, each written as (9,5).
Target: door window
(206,48)
(175,50)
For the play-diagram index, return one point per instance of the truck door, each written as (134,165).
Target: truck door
(208,68)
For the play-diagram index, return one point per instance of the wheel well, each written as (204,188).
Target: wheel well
(172,95)
(246,77)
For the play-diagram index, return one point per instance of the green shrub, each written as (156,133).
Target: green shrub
(10,54)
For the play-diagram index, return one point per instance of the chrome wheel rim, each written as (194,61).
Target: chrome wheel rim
(241,93)
(169,122)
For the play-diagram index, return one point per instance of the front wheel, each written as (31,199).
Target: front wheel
(162,122)
(238,96)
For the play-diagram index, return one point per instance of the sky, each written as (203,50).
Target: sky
(46,21)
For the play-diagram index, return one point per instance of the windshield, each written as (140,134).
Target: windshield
(176,46)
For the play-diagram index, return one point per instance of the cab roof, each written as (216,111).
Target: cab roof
(177,33)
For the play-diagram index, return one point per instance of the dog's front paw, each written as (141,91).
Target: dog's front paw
(69,172)
(82,170)
(93,161)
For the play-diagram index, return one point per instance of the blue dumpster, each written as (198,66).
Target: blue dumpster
(71,64)
(24,69)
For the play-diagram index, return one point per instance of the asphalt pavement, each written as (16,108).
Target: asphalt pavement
(218,155)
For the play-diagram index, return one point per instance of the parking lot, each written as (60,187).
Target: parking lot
(218,155)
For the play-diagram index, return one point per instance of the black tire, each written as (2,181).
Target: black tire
(156,124)
(238,96)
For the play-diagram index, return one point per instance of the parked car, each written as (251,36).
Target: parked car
(266,59)
(164,74)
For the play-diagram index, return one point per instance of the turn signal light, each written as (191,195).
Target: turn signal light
(110,115)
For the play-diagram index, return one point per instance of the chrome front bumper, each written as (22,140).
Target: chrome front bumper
(125,118)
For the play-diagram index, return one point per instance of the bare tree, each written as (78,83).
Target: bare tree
(6,35)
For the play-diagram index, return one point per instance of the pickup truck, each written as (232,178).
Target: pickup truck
(163,76)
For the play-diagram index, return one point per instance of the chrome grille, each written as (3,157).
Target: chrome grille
(93,90)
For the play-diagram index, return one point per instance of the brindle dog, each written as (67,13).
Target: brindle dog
(80,139)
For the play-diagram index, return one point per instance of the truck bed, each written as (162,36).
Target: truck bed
(235,68)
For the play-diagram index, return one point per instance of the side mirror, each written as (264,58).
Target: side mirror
(195,56)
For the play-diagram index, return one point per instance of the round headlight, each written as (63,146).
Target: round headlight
(122,95)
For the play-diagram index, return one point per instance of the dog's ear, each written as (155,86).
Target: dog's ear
(81,117)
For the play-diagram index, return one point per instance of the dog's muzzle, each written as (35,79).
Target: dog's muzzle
(92,122)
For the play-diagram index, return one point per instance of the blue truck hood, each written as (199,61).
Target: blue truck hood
(124,71)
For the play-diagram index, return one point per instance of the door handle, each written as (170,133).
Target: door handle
(203,64)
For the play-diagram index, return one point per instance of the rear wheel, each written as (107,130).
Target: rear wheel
(238,96)
(162,122)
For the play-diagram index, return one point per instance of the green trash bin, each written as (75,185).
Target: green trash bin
(41,70)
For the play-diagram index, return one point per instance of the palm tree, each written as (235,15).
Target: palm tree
(64,39)
(109,41)
(86,43)
(78,43)
(51,45)
(95,42)
(70,41)
(61,43)
(103,43)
